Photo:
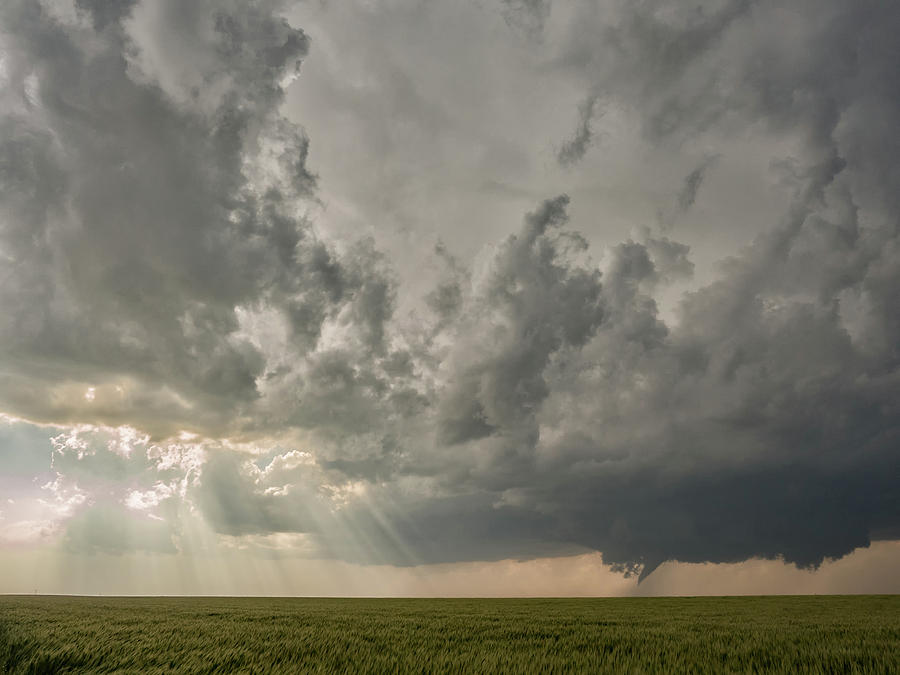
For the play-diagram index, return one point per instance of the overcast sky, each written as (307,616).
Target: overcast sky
(449,298)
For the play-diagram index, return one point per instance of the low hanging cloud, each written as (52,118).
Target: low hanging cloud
(164,271)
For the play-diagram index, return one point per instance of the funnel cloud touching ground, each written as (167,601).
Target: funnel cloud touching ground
(340,282)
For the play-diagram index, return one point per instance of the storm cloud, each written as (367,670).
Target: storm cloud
(573,150)
(536,384)
(154,202)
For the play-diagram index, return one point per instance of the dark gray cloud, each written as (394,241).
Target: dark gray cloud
(152,189)
(534,304)
(687,194)
(573,150)
(692,183)
(543,397)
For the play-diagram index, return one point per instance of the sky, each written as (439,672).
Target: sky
(411,297)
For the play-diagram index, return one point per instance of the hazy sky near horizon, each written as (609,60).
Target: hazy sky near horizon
(494,297)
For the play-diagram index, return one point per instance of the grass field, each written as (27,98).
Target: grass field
(859,634)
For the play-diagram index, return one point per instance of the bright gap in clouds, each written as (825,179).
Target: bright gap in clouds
(449,299)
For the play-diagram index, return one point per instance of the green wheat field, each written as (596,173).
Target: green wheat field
(819,634)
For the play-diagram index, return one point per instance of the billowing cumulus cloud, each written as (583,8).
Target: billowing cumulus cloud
(223,359)
(154,201)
